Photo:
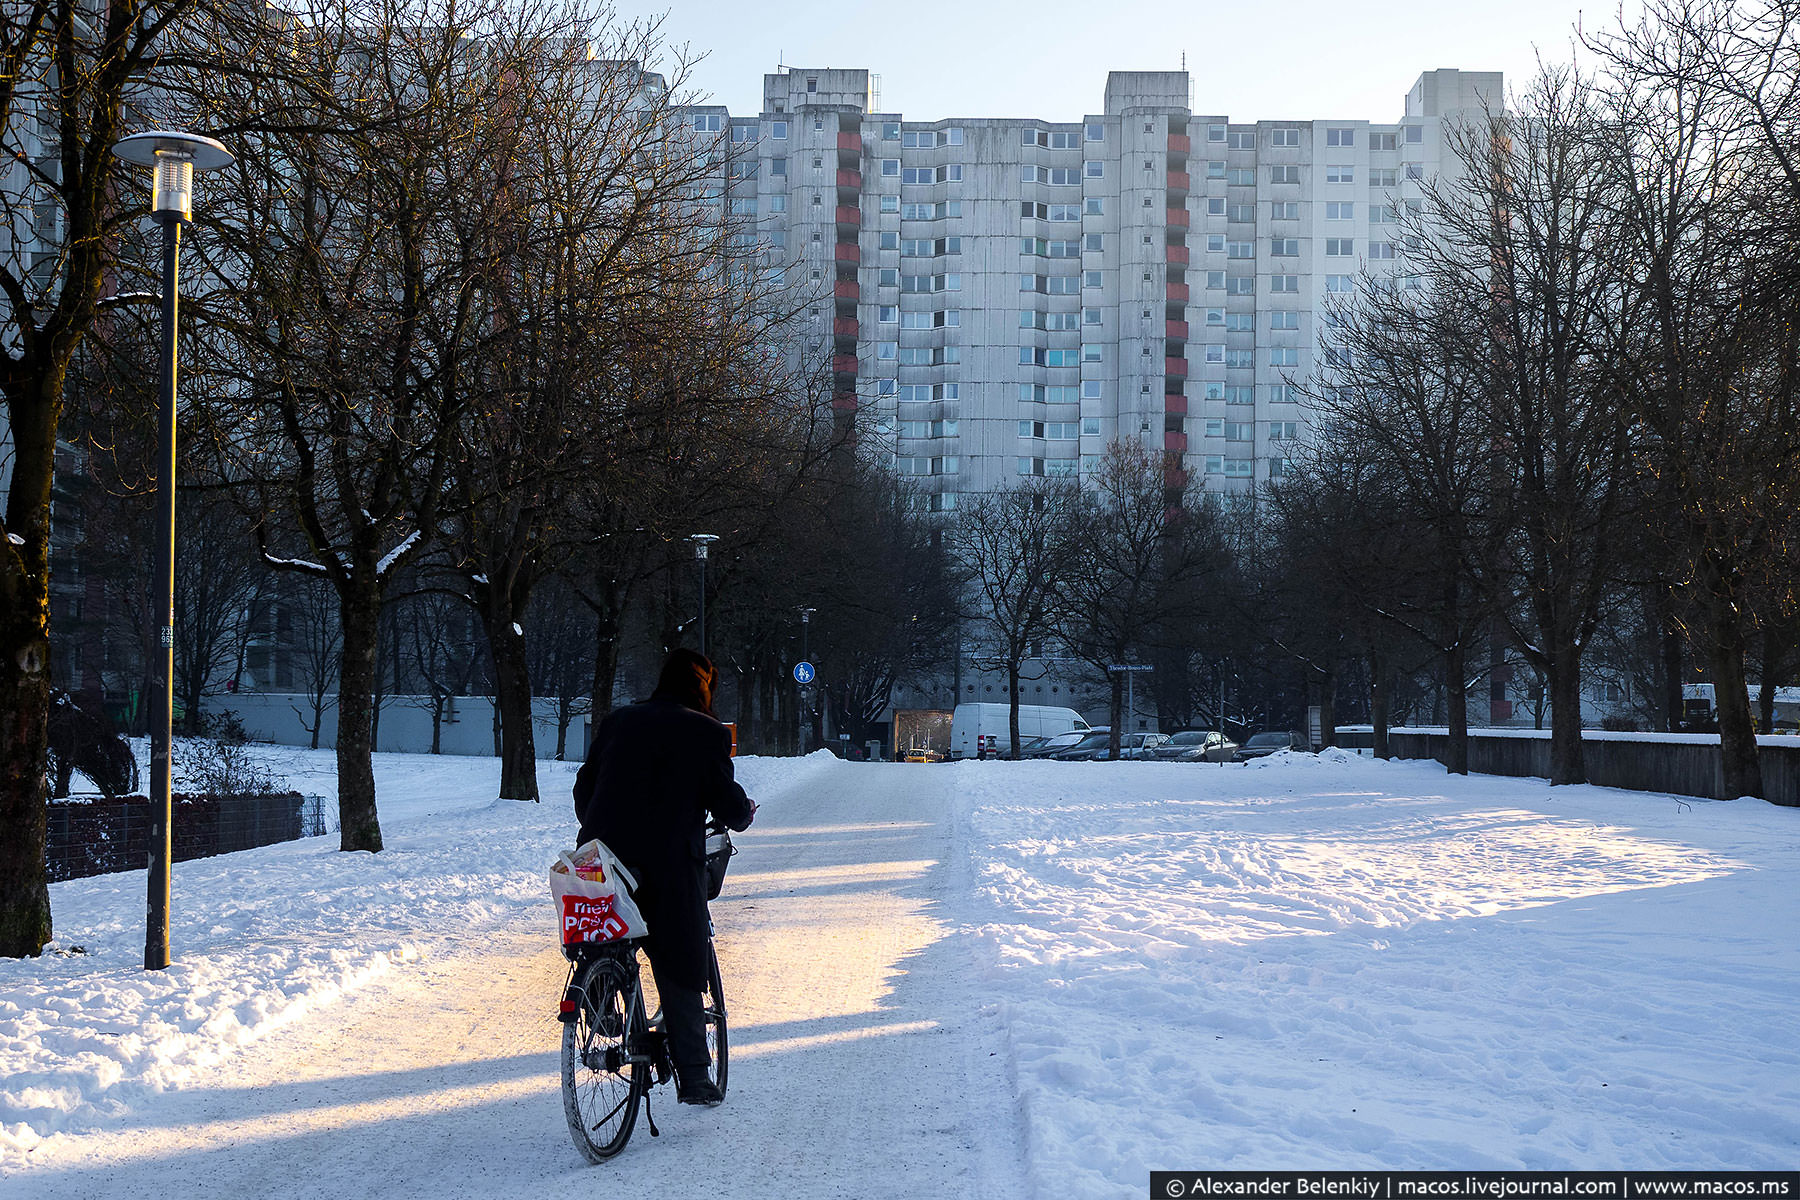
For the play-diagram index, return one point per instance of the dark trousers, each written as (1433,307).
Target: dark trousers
(685,1022)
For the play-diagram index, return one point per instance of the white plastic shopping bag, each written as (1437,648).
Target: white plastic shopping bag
(592,891)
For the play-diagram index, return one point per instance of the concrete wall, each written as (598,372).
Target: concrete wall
(405,724)
(1683,765)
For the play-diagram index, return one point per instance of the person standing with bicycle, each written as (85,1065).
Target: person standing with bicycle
(654,772)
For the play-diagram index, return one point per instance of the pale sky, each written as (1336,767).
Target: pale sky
(1251,59)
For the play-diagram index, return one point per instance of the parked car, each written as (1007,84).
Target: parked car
(985,730)
(1197,745)
(1047,747)
(1261,745)
(1097,747)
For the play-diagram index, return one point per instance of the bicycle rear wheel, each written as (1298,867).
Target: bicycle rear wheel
(712,1007)
(602,1087)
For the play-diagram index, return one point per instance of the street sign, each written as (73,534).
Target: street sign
(803,672)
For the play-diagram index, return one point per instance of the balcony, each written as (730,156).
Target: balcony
(849,142)
(843,364)
(847,252)
(1177,293)
(1175,441)
(1175,481)
(1175,331)
(844,401)
(1178,217)
(849,180)
(843,327)
(1175,404)
(1179,144)
(849,214)
(846,289)
(1178,181)
(1178,255)
(1174,368)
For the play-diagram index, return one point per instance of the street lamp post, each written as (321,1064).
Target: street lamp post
(174,157)
(701,542)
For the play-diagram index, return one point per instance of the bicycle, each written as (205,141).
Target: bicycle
(614,1051)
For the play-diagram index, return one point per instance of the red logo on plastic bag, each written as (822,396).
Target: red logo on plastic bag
(590,919)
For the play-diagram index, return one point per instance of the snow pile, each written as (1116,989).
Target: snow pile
(1336,963)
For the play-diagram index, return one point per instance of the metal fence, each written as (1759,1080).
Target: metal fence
(101,836)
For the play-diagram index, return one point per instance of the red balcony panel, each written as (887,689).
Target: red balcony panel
(850,142)
(846,289)
(1175,330)
(1178,217)
(1175,480)
(1179,144)
(1178,292)
(847,178)
(1175,441)
(1178,181)
(1175,403)
(1176,367)
(844,401)
(849,214)
(844,364)
(844,326)
(847,252)
(1178,254)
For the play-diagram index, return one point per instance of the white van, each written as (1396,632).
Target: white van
(982,730)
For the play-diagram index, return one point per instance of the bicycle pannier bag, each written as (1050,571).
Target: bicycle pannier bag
(592,891)
(718,856)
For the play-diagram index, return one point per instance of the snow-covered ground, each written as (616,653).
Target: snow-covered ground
(1031,979)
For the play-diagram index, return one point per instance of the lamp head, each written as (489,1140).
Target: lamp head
(174,156)
(701,542)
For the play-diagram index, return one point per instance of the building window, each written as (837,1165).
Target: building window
(1340,247)
(1094,206)
(1241,285)
(708,123)
(1215,169)
(812,85)
(1090,389)
(1340,210)
(1283,431)
(1215,133)
(1415,134)
(1094,168)
(1284,247)
(778,166)
(1284,210)
(1384,177)
(1340,137)
(890,166)
(1381,249)
(1096,132)
(890,204)
(1284,356)
(1381,141)
(1340,173)
(1287,173)
(1284,283)
(1340,283)
(1283,393)
(1243,141)
(1284,137)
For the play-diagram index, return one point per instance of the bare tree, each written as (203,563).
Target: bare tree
(1525,225)
(1014,548)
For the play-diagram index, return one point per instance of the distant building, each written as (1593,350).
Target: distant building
(1003,298)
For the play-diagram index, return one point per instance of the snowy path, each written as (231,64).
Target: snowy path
(857,1061)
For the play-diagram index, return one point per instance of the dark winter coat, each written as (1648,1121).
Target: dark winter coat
(654,772)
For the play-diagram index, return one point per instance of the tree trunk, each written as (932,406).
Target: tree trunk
(1380,704)
(512,700)
(1674,710)
(1566,761)
(360,613)
(1731,695)
(24,752)
(1456,700)
(1771,671)
(606,662)
(1012,712)
(437,724)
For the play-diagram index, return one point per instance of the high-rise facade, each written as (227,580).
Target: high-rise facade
(1004,298)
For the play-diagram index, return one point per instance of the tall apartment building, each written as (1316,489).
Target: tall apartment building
(1004,298)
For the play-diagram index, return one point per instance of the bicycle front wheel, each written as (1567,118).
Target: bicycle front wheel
(712,1009)
(602,1087)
